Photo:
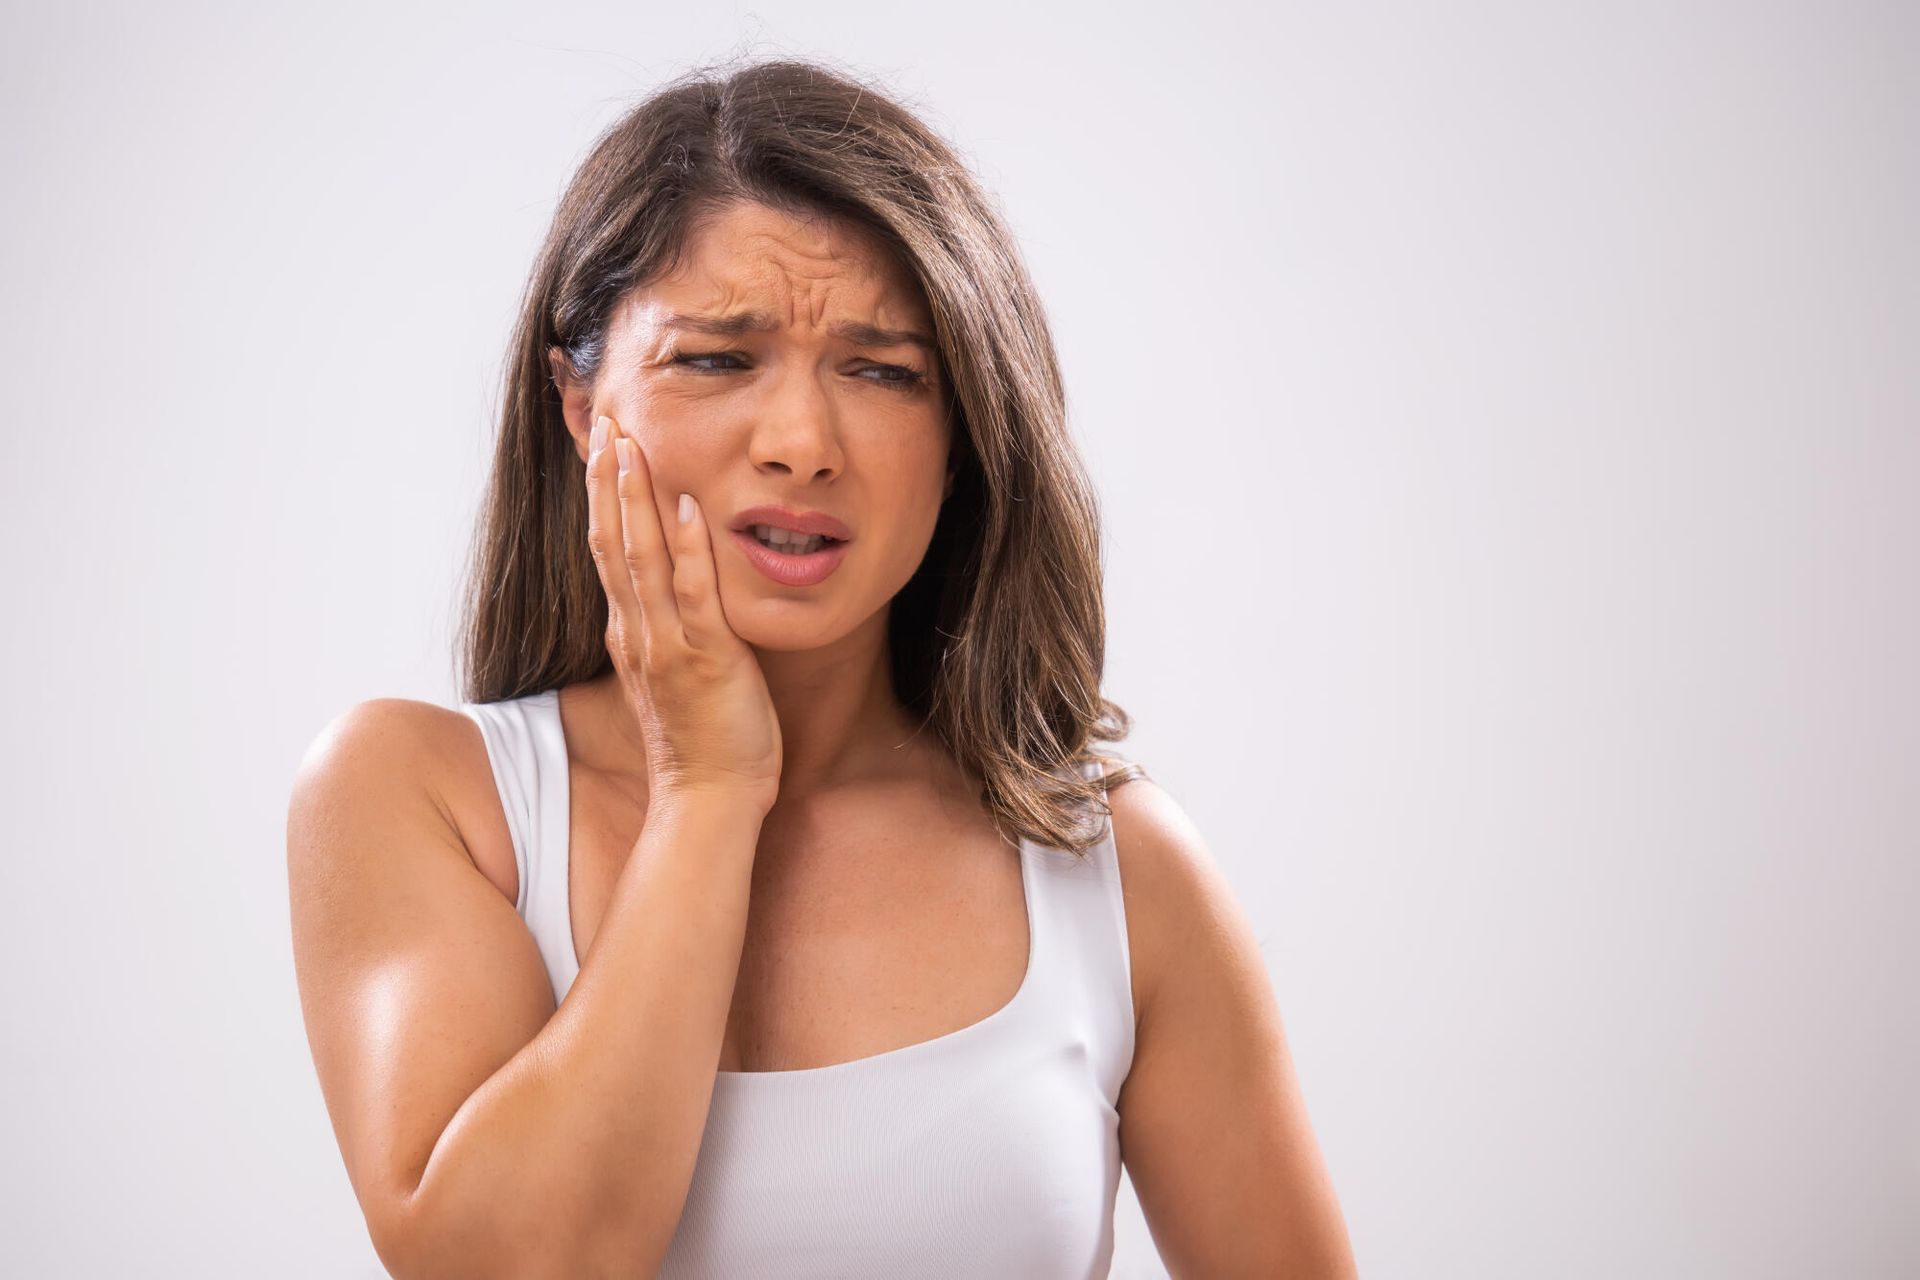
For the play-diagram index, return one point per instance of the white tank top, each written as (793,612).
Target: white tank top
(992,1151)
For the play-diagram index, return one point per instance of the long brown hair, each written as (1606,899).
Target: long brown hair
(998,640)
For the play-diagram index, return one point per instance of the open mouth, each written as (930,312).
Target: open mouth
(791,560)
(792,544)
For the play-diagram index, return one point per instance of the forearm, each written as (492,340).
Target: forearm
(578,1151)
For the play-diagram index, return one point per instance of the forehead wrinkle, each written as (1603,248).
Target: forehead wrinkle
(737,308)
(780,273)
(766,284)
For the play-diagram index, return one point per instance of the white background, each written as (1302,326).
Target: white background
(1508,429)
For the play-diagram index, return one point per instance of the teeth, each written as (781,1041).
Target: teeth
(793,544)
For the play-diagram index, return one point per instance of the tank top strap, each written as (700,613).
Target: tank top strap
(1081,914)
(528,752)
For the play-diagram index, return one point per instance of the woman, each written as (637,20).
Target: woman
(760,913)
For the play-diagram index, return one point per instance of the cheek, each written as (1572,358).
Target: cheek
(678,464)
(920,486)
(910,526)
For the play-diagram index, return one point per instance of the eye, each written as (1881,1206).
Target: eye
(688,357)
(893,375)
(903,376)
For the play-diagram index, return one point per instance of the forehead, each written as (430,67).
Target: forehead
(801,271)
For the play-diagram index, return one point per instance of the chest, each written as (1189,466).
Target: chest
(871,925)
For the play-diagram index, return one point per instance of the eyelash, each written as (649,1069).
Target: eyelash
(912,379)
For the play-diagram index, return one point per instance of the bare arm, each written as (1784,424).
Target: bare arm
(1213,1126)
(486,1133)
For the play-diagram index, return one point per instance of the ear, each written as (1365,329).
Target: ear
(576,399)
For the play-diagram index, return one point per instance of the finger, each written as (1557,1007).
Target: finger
(605,538)
(644,543)
(696,581)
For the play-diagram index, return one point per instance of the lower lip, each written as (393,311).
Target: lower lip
(787,570)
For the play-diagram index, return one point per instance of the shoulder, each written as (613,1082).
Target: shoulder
(1172,887)
(384,749)
(377,726)
(392,739)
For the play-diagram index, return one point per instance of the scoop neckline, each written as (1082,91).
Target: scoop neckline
(564,824)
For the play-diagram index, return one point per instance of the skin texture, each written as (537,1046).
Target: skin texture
(874,878)
(800,418)
(1214,1128)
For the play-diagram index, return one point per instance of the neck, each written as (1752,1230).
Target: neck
(840,722)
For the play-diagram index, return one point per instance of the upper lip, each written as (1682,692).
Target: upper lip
(793,521)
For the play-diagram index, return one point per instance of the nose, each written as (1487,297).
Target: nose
(796,434)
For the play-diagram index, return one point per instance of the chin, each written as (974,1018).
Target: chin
(768,620)
(778,619)
(772,637)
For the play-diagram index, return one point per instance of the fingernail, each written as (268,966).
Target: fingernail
(598,439)
(623,449)
(686,508)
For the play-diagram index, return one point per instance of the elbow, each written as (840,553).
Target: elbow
(414,1243)
(410,1244)
(417,1241)
(391,1230)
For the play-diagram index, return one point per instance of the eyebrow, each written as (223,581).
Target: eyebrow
(739,322)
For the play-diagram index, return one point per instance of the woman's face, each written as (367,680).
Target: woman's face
(810,409)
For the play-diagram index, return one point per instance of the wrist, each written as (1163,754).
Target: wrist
(706,801)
